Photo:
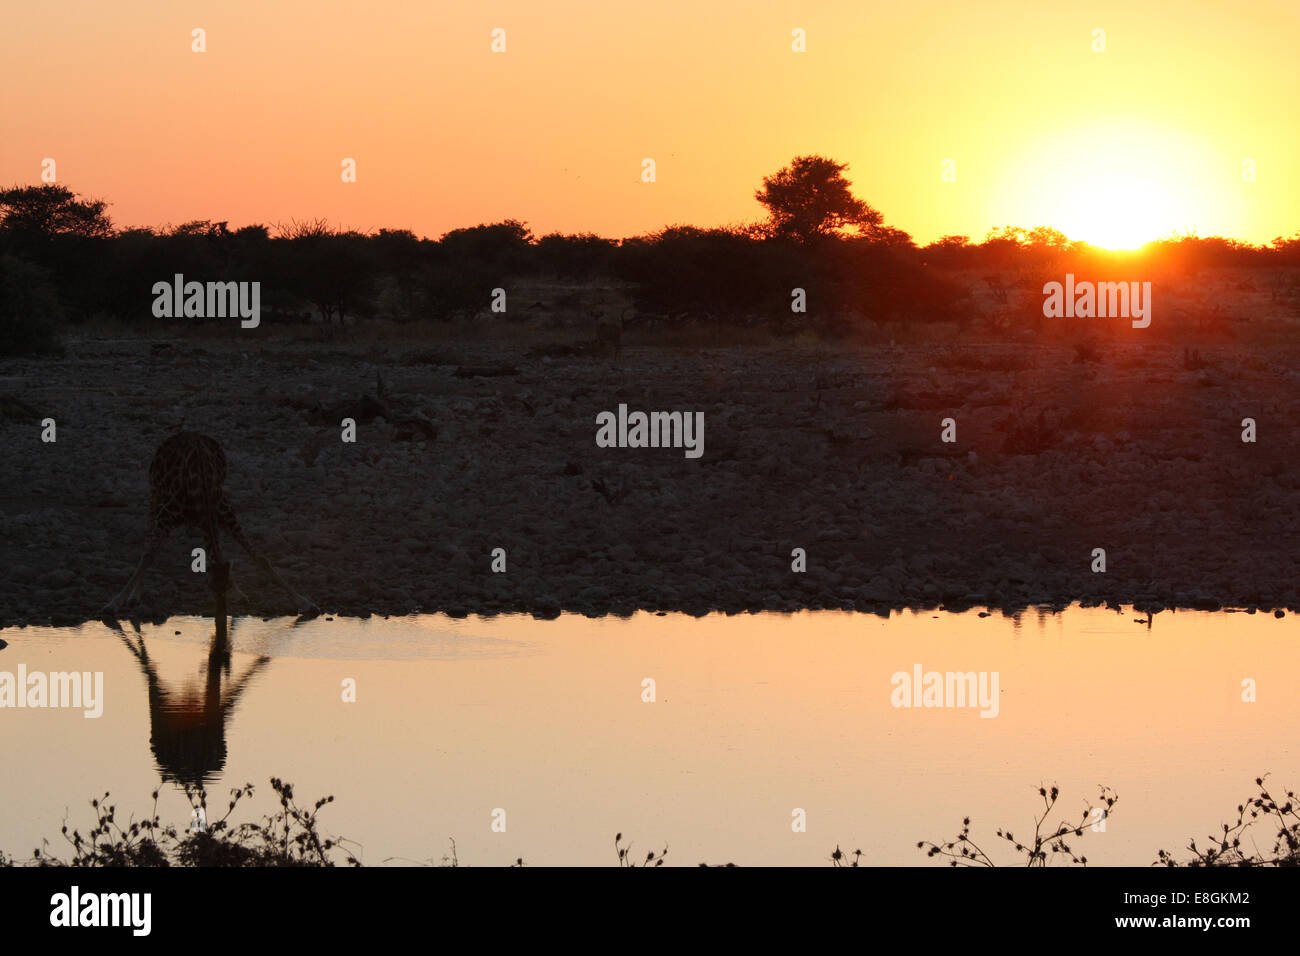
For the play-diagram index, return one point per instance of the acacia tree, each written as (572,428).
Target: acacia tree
(811,198)
(52,210)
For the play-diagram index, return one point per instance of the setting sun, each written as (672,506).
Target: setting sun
(1119,184)
(1118,212)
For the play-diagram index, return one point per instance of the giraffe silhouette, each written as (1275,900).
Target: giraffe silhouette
(186,479)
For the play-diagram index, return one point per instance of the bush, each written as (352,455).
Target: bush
(1226,848)
(289,837)
(450,288)
(1047,845)
(718,272)
(30,311)
(583,256)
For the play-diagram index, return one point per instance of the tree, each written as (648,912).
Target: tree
(398,254)
(201,227)
(1018,235)
(889,236)
(52,210)
(30,311)
(306,229)
(500,242)
(1049,238)
(948,251)
(336,273)
(810,198)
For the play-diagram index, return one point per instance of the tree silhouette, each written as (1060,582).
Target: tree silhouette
(811,198)
(52,210)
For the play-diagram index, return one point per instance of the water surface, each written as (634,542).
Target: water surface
(755,716)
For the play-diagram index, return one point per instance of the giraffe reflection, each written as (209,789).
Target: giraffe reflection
(188,727)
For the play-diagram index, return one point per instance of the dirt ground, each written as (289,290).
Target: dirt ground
(1136,450)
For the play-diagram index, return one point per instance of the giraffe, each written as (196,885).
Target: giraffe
(185,488)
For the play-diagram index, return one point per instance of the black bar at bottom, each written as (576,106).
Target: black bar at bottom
(498,906)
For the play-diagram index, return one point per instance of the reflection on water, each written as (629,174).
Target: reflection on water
(753,718)
(188,725)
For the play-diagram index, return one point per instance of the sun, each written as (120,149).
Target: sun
(1117,210)
(1113,183)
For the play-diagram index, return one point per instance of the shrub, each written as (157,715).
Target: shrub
(1225,849)
(1046,846)
(289,837)
(30,311)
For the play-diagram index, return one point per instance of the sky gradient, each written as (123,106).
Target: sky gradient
(1114,147)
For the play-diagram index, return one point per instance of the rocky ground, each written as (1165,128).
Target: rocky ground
(836,451)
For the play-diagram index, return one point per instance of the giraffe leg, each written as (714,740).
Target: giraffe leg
(218,567)
(233,585)
(226,516)
(131,591)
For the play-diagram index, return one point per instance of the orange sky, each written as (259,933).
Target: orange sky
(1145,138)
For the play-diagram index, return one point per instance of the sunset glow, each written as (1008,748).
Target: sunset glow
(1115,147)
